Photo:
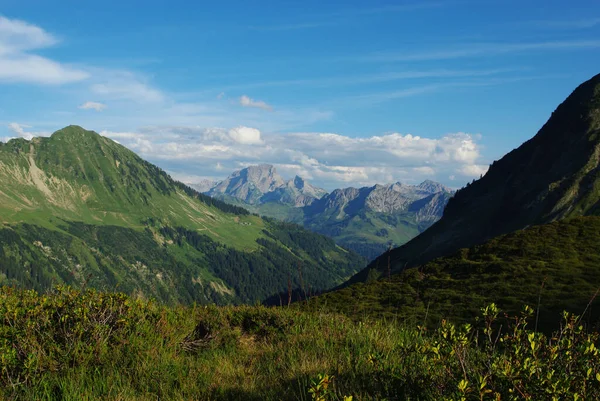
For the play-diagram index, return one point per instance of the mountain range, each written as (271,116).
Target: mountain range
(552,176)
(367,220)
(525,233)
(80,209)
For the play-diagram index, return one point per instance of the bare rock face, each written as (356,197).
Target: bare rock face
(203,185)
(390,199)
(260,184)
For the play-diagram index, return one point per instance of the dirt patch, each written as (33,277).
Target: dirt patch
(37,176)
(221,288)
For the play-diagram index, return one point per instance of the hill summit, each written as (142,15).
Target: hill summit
(552,176)
(80,209)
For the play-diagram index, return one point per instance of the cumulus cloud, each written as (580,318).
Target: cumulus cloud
(474,170)
(245,135)
(246,101)
(18,64)
(121,135)
(20,131)
(93,106)
(17,35)
(328,159)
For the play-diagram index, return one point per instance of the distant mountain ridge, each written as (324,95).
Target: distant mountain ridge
(552,176)
(367,220)
(526,233)
(260,184)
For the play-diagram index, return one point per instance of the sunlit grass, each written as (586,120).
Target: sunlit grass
(69,345)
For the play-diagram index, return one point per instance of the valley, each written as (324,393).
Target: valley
(366,220)
(511,291)
(316,201)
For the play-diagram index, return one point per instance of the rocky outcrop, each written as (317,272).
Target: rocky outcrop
(261,184)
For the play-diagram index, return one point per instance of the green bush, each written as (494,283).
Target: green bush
(72,345)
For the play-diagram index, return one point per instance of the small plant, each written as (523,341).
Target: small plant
(319,387)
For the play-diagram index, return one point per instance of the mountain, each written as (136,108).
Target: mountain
(552,176)
(80,209)
(370,219)
(255,185)
(203,185)
(555,266)
(296,192)
(366,220)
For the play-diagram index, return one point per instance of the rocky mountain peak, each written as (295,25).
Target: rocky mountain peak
(299,182)
(263,176)
(433,187)
(261,183)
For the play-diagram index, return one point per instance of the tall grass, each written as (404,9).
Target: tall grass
(71,345)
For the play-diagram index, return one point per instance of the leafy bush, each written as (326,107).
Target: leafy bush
(91,345)
(554,267)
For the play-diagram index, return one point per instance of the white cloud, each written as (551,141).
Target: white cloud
(246,101)
(245,135)
(35,69)
(473,170)
(126,86)
(19,131)
(330,160)
(18,64)
(121,135)
(93,106)
(17,35)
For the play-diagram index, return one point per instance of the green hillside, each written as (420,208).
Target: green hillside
(81,209)
(554,175)
(557,265)
(368,233)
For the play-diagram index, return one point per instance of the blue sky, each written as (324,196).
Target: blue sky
(347,93)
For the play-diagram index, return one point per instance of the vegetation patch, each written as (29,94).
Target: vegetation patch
(553,267)
(72,345)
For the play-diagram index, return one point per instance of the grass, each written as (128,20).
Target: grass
(101,212)
(71,345)
(509,270)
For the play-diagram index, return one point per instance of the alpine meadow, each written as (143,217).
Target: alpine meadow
(231,212)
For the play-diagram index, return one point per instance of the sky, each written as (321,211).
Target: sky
(347,93)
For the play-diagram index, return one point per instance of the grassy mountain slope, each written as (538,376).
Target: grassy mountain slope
(81,209)
(557,264)
(554,175)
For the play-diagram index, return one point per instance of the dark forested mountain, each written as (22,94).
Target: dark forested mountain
(555,266)
(367,220)
(80,209)
(553,175)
